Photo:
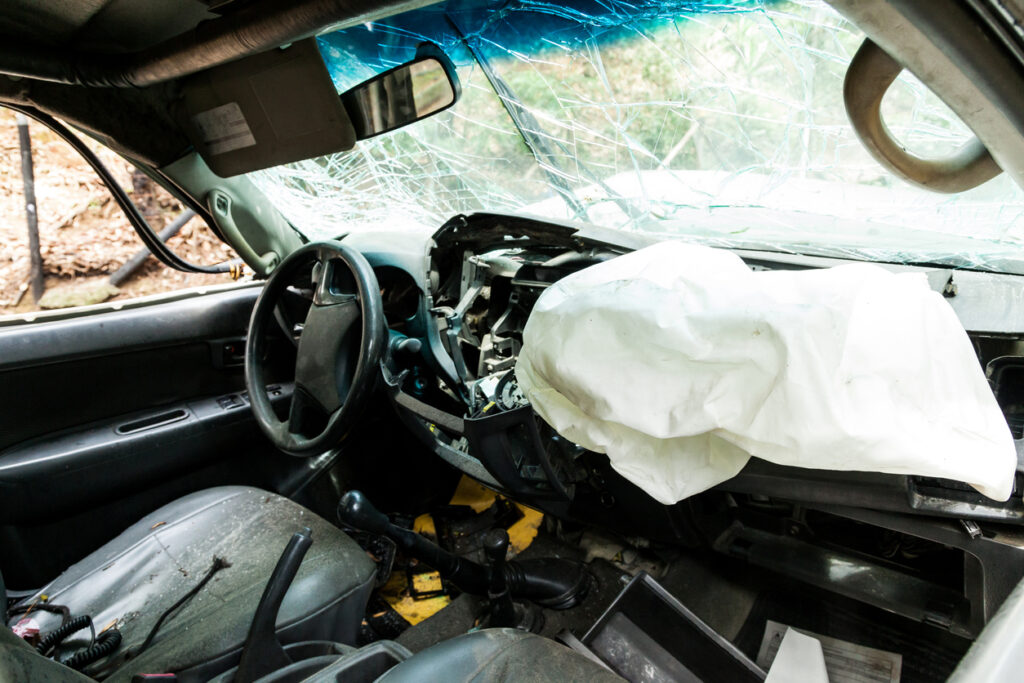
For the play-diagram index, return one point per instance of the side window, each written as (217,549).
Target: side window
(87,251)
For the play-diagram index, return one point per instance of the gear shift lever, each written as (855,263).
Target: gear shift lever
(359,513)
(502,611)
(550,582)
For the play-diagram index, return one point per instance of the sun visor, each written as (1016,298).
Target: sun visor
(680,362)
(269,109)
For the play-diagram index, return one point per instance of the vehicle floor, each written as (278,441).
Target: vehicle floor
(732,598)
(929,654)
(607,580)
(717,598)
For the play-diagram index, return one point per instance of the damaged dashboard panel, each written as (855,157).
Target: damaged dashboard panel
(490,276)
(483,333)
(487,276)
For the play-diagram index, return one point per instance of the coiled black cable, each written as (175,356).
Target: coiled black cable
(64,612)
(57,636)
(106,642)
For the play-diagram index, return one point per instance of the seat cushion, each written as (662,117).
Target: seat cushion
(497,655)
(19,662)
(137,576)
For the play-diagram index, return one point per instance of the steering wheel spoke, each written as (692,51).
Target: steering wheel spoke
(306,413)
(338,351)
(332,280)
(317,367)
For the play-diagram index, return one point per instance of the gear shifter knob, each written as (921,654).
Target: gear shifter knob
(495,545)
(355,510)
(502,612)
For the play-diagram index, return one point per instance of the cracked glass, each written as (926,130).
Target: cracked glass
(715,122)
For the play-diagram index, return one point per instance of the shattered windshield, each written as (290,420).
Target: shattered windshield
(717,122)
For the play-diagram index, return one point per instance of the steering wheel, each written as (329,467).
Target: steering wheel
(339,348)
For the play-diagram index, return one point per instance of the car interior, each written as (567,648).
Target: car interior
(331,471)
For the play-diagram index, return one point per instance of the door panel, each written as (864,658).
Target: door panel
(69,372)
(107,416)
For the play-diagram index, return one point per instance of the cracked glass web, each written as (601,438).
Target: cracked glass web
(718,122)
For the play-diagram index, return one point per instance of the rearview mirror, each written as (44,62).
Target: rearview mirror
(410,92)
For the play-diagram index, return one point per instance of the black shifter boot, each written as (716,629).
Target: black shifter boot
(501,611)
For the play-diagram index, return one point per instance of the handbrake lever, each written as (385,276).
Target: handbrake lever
(262,653)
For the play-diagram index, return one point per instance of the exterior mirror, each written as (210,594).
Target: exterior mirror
(407,93)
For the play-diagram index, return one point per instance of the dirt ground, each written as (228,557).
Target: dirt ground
(83,235)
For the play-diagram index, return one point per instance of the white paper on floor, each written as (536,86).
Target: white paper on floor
(797,659)
(844,662)
(680,362)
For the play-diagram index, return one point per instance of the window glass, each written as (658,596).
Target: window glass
(84,237)
(714,122)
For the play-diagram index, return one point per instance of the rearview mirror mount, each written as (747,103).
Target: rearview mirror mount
(407,93)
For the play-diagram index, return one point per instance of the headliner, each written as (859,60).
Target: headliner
(100,25)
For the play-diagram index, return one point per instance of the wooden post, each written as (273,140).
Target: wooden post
(132,264)
(29,182)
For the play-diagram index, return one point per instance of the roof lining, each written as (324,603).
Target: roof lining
(254,28)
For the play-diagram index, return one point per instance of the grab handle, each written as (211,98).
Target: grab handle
(868,78)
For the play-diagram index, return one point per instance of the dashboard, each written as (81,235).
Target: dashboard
(456,305)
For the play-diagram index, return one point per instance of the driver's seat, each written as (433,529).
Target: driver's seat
(138,576)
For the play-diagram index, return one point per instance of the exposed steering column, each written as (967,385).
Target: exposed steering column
(339,349)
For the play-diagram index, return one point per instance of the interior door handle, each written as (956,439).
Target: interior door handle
(153,421)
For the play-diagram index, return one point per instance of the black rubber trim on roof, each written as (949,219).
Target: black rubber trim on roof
(142,228)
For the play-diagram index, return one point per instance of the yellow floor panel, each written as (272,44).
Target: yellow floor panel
(396,593)
(424,525)
(479,498)
(522,533)
(473,494)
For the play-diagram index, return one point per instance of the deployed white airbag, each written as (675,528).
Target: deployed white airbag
(679,363)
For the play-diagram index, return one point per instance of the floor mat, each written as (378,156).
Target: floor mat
(928,654)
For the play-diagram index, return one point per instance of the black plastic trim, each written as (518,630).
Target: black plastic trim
(85,464)
(216,315)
